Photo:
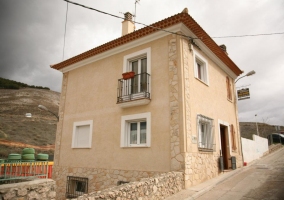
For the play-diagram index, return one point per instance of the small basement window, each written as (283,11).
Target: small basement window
(76,186)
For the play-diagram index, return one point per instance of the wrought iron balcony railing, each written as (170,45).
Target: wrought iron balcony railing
(133,88)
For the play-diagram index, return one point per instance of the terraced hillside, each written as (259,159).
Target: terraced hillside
(17,130)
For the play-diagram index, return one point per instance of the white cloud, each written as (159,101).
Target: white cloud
(32,38)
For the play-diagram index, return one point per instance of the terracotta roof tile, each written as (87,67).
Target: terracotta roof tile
(184,18)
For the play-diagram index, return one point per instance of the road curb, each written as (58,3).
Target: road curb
(216,181)
(208,185)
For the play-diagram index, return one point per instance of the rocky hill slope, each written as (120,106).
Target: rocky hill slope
(18,131)
(247,129)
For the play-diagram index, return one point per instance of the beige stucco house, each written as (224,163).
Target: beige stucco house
(178,113)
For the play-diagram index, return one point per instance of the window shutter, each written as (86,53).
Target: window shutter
(230,90)
(228,84)
(233,138)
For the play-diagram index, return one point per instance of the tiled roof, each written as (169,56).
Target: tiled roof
(184,18)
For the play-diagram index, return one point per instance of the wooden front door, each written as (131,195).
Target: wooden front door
(225,149)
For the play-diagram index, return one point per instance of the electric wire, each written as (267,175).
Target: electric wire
(160,29)
(157,28)
(253,35)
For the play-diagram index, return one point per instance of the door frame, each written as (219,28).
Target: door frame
(228,140)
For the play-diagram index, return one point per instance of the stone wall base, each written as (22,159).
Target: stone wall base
(40,189)
(98,179)
(158,187)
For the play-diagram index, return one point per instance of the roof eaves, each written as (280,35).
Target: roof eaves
(117,42)
(210,43)
(185,18)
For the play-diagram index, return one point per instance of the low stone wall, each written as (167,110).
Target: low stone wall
(98,179)
(158,187)
(40,189)
(200,167)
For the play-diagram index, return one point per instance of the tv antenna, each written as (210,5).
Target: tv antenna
(136,1)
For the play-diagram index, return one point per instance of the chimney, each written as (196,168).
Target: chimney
(127,24)
(224,48)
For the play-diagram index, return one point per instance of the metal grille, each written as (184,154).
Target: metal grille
(205,130)
(76,186)
(18,171)
(134,88)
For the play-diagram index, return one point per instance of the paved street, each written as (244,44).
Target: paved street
(262,180)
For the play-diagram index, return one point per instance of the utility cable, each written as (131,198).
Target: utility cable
(254,35)
(157,28)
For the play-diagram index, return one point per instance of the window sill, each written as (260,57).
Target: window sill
(126,147)
(205,150)
(202,81)
(81,147)
(133,103)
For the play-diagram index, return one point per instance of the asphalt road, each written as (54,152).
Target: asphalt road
(262,180)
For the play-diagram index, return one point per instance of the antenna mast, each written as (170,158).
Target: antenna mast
(136,1)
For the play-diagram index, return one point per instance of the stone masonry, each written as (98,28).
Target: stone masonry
(158,187)
(41,189)
(55,176)
(98,179)
(60,123)
(177,158)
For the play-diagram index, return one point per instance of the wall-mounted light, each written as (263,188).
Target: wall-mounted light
(248,74)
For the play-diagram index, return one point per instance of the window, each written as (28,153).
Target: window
(135,91)
(82,134)
(136,130)
(229,88)
(205,133)
(139,55)
(76,186)
(200,68)
(139,83)
(201,71)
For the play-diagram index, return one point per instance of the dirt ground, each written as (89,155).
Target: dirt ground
(23,145)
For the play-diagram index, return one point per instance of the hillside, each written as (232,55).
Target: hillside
(247,129)
(10,84)
(17,131)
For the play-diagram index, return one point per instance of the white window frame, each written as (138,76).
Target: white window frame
(144,53)
(75,129)
(208,143)
(199,59)
(136,55)
(125,129)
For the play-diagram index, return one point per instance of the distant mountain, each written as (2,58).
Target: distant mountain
(247,129)
(10,84)
(15,128)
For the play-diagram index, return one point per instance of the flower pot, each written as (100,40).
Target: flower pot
(128,75)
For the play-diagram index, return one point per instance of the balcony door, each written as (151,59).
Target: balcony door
(139,82)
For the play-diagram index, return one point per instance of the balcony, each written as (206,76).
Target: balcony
(134,91)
